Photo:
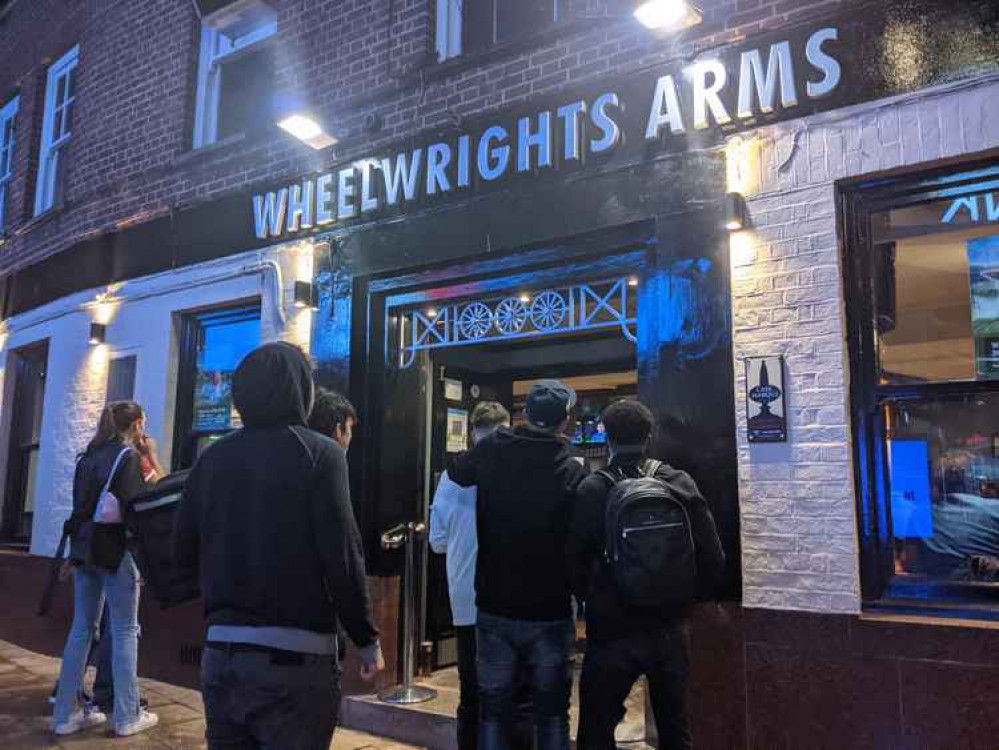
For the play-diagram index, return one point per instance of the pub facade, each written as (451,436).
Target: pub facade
(776,226)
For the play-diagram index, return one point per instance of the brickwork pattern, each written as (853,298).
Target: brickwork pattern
(798,511)
(130,158)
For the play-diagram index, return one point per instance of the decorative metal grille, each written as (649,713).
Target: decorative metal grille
(581,307)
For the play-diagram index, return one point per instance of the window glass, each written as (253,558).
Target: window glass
(937,290)
(246,93)
(224,344)
(943,457)
(519,19)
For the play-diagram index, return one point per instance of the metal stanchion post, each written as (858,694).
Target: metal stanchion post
(399,536)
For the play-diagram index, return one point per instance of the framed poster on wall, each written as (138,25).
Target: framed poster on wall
(765,406)
(457,430)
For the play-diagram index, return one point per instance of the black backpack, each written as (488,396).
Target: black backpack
(649,542)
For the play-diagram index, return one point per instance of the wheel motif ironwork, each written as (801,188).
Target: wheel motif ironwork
(510,316)
(548,311)
(475,320)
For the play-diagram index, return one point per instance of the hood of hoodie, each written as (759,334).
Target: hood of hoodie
(273,386)
(531,435)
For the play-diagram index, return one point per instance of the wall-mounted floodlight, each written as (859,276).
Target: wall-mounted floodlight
(735,212)
(305,295)
(667,15)
(98,333)
(307,130)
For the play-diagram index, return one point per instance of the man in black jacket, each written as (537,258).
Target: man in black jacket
(267,521)
(526,479)
(623,641)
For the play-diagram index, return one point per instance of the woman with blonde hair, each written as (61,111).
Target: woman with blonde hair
(118,464)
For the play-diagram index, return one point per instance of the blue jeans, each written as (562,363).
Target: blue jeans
(269,701)
(542,650)
(90,586)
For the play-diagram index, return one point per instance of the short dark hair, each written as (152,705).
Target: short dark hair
(628,422)
(488,414)
(330,411)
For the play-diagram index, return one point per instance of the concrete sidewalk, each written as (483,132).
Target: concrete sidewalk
(26,679)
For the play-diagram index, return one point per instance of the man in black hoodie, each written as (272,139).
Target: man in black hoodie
(526,480)
(266,520)
(624,641)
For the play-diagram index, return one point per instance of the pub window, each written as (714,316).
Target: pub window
(924,307)
(468,26)
(8,116)
(235,71)
(121,379)
(57,127)
(212,345)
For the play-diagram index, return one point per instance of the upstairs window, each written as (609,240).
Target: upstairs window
(57,127)
(235,72)
(8,114)
(469,26)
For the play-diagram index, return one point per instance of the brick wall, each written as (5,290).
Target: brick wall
(130,156)
(798,512)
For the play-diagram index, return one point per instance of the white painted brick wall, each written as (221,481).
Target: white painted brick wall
(799,526)
(143,324)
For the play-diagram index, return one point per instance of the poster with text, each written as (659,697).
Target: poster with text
(457,430)
(983,265)
(765,409)
(213,400)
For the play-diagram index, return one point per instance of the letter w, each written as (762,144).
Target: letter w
(403,175)
(269,212)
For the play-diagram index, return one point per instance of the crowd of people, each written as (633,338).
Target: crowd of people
(267,527)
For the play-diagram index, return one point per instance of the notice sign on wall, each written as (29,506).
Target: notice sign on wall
(765,406)
(983,264)
(457,430)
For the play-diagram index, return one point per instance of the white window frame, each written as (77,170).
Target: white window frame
(217,48)
(53,143)
(449,20)
(8,115)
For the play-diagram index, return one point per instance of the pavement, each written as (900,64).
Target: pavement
(26,680)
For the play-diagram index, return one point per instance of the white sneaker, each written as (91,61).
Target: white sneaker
(145,721)
(80,719)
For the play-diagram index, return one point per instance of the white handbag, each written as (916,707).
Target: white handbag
(108,506)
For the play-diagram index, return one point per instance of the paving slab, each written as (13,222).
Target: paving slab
(26,680)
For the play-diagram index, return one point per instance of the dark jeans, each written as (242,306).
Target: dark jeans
(611,669)
(256,700)
(542,652)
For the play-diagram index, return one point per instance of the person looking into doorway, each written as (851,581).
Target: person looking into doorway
(452,533)
(631,631)
(267,524)
(109,473)
(526,479)
(334,416)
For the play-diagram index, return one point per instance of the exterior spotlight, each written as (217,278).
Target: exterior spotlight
(735,212)
(98,333)
(632,281)
(667,15)
(525,298)
(431,313)
(307,130)
(305,295)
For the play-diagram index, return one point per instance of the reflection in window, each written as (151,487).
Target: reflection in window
(937,291)
(944,478)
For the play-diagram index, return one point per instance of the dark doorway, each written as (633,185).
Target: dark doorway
(29,366)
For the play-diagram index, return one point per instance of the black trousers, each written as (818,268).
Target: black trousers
(611,669)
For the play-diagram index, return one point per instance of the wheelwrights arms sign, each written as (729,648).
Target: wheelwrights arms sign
(642,115)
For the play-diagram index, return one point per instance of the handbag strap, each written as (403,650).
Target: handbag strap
(114,470)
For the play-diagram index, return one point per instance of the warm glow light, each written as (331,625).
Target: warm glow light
(307,130)
(742,252)
(431,313)
(304,261)
(733,226)
(667,15)
(633,281)
(525,298)
(742,160)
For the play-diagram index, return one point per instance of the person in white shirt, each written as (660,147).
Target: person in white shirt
(453,532)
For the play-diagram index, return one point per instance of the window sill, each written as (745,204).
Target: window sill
(211,149)
(36,221)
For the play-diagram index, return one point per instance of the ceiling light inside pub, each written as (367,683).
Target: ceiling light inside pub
(667,15)
(307,130)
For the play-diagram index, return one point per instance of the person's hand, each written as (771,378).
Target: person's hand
(371,667)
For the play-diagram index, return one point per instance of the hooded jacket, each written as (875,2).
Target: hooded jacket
(266,520)
(526,480)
